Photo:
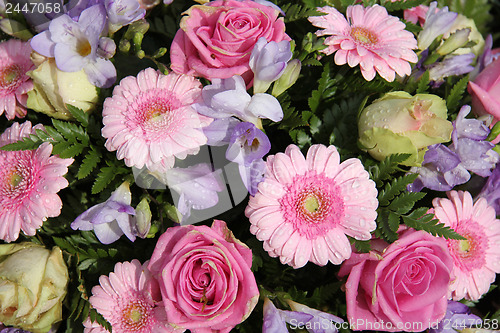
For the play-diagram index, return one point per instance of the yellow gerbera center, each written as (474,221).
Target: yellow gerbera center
(363,35)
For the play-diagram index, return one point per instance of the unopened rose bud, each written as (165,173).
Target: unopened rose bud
(288,78)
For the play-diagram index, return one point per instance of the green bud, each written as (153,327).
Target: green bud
(124,45)
(143,217)
(140,54)
(141,27)
(172,213)
(160,52)
(455,41)
(289,77)
(137,40)
(15,29)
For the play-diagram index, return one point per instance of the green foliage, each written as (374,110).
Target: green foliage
(385,169)
(411,27)
(423,83)
(81,116)
(393,188)
(295,12)
(106,176)
(420,220)
(326,89)
(456,94)
(401,5)
(338,125)
(89,163)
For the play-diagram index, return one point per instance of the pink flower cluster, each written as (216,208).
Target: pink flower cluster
(306,207)
(198,278)
(406,285)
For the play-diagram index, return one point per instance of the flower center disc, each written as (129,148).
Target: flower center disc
(313,204)
(363,35)
(9,76)
(136,316)
(469,252)
(83,47)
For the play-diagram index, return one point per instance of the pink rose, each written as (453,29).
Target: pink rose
(485,91)
(216,40)
(205,278)
(401,286)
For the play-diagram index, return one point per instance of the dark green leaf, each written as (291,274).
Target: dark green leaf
(89,163)
(81,116)
(455,96)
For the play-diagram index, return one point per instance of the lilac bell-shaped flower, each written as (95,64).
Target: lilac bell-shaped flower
(123,12)
(247,144)
(437,22)
(321,322)
(458,317)
(225,98)
(197,186)
(110,219)
(275,320)
(268,62)
(491,190)
(74,45)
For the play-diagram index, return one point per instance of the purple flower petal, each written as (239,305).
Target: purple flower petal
(264,106)
(469,128)
(219,131)
(43,44)
(108,233)
(252,175)
(67,59)
(101,73)
(247,144)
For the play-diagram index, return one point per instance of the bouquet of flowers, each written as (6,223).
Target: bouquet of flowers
(249,165)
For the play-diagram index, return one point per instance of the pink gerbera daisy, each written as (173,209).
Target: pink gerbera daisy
(128,299)
(476,260)
(29,181)
(369,37)
(93,327)
(149,119)
(14,82)
(304,208)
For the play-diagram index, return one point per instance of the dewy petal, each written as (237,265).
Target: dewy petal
(92,21)
(108,233)
(43,44)
(264,106)
(67,59)
(247,144)
(101,73)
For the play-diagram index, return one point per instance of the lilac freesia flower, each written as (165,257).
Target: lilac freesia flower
(469,143)
(106,48)
(268,62)
(321,322)
(252,175)
(275,320)
(491,190)
(12,330)
(445,167)
(458,316)
(437,22)
(219,131)
(440,171)
(225,98)
(110,219)
(123,12)
(74,45)
(197,186)
(247,144)
(451,65)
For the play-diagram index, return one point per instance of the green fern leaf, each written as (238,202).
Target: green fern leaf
(394,187)
(402,4)
(387,225)
(423,83)
(71,132)
(81,116)
(26,143)
(430,225)
(385,169)
(455,96)
(326,89)
(89,163)
(404,202)
(103,179)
